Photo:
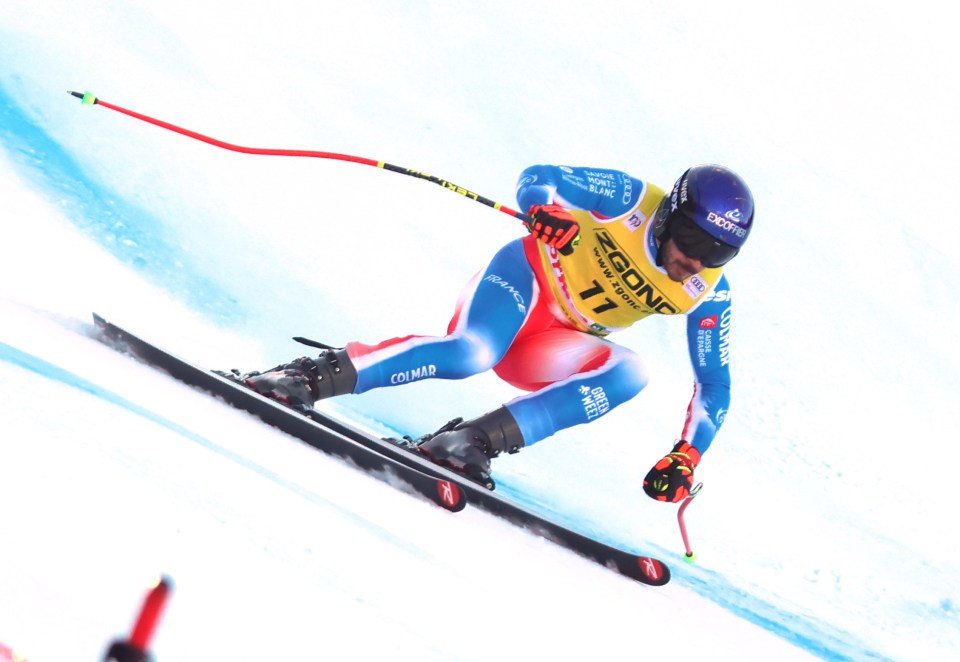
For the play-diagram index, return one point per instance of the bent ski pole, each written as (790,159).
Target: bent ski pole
(89,99)
(689,555)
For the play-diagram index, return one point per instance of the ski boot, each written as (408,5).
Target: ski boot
(300,383)
(468,446)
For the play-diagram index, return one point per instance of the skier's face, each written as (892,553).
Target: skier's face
(678,266)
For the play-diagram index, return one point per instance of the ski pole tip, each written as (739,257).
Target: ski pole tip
(690,557)
(162,581)
(87,98)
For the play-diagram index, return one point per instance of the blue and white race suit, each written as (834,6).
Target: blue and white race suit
(540,320)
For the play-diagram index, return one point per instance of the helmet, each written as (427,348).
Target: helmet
(708,214)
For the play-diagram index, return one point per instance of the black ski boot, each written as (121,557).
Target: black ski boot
(468,446)
(300,383)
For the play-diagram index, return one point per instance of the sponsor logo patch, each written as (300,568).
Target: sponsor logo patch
(423,372)
(635,221)
(650,568)
(718,295)
(449,494)
(694,286)
(595,402)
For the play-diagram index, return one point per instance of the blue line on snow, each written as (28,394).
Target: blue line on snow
(817,637)
(130,233)
(56,373)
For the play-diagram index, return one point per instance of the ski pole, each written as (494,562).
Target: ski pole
(689,556)
(137,647)
(90,99)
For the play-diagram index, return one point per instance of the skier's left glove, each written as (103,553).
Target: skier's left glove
(671,479)
(554,226)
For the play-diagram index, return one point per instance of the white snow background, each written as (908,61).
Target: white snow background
(826,527)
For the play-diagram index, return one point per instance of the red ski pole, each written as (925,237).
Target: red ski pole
(689,556)
(90,100)
(137,647)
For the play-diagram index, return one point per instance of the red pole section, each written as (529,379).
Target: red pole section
(689,556)
(137,647)
(238,148)
(150,614)
(90,100)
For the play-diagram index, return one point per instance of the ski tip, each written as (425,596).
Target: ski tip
(103,328)
(312,343)
(650,571)
(450,496)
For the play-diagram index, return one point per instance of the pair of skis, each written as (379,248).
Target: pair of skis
(382,458)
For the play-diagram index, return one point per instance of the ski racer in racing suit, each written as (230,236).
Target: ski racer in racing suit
(605,250)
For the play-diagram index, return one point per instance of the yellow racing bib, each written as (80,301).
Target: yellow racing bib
(611,280)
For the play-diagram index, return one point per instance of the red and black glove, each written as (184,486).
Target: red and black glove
(554,226)
(671,479)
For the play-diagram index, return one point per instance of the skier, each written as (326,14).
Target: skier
(605,250)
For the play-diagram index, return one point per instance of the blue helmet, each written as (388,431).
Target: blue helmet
(708,214)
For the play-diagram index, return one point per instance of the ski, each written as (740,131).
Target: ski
(644,569)
(335,437)
(439,489)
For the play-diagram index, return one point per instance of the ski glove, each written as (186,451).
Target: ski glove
(671,479)
(554,226)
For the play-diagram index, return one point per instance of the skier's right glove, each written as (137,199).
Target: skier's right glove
(671,479)
(554,226)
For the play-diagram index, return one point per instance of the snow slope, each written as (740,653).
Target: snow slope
(824,520)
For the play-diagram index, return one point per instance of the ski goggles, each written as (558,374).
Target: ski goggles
(695,242)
